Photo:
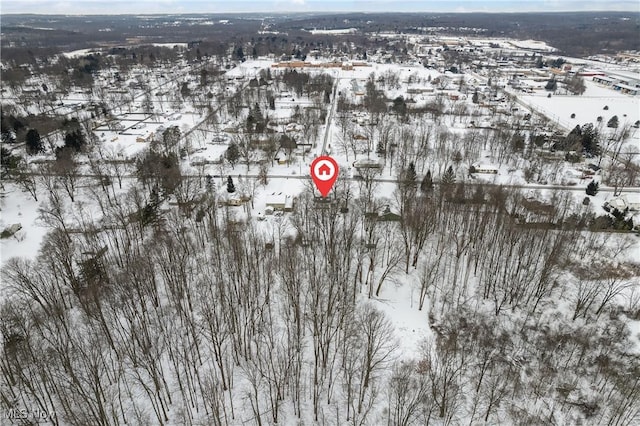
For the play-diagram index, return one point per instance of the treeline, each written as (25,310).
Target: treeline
(573,33)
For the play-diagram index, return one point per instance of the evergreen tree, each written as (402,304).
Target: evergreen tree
(74,140)
(572,141)
(203,77)
(410,176)
(399,106)
(449,177)
(256,112)
(170,139)
(613,122)
(592,188)
(184,90)
(289,144)
(33,142)
(427,183)
(620,220)
(475,99)
(255,120)
(240,54)
(150,212)
(576,131)
(231,188)
(551,85)
(590,140)
(154,196)
(232,154)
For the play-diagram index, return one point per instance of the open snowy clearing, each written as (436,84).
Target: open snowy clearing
(587,107)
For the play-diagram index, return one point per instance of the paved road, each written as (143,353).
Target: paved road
(327,129)
(579,188)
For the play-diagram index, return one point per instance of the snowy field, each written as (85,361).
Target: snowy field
(587,107)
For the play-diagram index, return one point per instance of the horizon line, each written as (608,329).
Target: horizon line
(298,12)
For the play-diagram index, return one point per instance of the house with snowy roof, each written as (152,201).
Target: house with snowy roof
(280,201)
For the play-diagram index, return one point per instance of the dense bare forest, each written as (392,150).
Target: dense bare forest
(183,316)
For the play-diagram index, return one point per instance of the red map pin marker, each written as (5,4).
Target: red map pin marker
(324,172)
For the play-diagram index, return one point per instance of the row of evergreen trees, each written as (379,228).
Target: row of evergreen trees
(409,178)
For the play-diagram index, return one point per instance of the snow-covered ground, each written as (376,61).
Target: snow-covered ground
(20,207)
(398,298)
(587,107)
(533,45)
(78,53)
(337,31)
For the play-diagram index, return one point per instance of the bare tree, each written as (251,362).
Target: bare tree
(26,178)
(407,394)
(65,168)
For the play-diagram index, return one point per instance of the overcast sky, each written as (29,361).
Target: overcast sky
(272,6)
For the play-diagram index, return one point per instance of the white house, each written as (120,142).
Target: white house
(623,202)
(483,168)
(280,201)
